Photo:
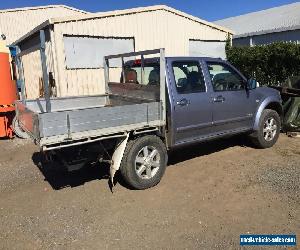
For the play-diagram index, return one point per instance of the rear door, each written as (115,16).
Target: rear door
(232,103)
(192,107)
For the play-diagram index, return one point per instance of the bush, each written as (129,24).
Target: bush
(269,64)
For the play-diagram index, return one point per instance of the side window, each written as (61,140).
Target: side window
(224,78)
(188,77)
(133,74)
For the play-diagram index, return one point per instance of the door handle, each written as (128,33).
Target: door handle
(219,99)
(183,102)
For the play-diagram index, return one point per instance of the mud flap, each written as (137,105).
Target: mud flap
(117,158)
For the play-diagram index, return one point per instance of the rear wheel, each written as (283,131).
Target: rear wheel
(144,162)
(269,129)
(18,130)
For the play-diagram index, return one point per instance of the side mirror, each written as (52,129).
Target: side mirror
(251,84)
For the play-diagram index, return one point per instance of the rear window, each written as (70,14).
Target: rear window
(133,74)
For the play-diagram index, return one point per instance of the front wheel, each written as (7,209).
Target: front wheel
(268,131)
(144,162)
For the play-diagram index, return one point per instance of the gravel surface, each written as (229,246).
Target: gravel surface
(284,179)
(210,194)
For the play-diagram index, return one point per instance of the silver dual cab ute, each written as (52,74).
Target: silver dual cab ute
(159,103)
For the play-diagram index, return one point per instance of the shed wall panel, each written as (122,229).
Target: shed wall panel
(31,60)
(88,52)
(286,36)
(49,57)
(151,30)
(242,41)
(15,24)
(207,49)
(32,74)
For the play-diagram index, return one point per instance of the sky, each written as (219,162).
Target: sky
(208,10)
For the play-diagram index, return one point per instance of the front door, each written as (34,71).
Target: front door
(232,109)
(192,117)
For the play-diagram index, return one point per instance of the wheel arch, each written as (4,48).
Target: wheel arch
(156,132)
(269,103)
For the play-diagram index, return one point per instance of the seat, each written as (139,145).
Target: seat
(195,81)
(154,77)
(219,82)
(130,76)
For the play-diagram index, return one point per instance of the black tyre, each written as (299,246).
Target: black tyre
(18,130)
(269,129)
(144,162)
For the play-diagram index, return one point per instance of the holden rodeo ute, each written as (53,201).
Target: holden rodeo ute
(157,104)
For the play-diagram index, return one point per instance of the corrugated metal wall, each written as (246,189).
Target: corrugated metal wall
(16,23)
(32,74)
(153,29)
(31,60)
(150,30)
(208,48)
(284,36)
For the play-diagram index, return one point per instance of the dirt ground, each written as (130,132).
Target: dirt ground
(210,194)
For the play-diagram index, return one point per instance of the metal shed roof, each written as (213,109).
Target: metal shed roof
(15,23)
(121,13)
(278,19)
(42,7)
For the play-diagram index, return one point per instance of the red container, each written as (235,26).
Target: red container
(8,91)
(8,95)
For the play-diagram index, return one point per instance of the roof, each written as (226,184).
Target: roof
(42,7)
(90,16)
(278,19)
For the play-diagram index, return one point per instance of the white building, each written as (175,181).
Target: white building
(75,46)
(14,23)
